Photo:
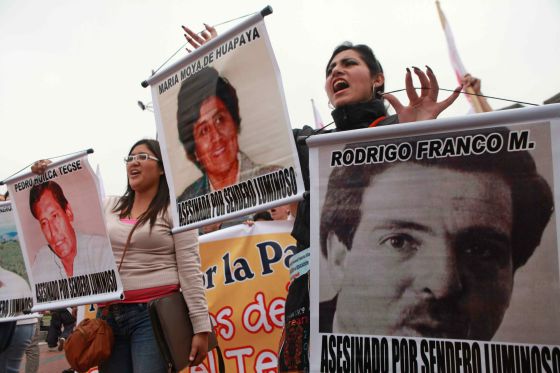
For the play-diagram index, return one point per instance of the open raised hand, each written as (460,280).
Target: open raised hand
(425,106)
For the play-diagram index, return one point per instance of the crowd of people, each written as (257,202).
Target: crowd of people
(153,262)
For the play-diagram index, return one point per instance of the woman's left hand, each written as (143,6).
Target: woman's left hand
(425,106)
(195,40)
(199,348)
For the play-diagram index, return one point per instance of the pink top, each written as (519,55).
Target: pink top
(146,295)
(129,221)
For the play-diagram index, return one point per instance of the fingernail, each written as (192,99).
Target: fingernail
(429,68)
(407,70)
(415,68)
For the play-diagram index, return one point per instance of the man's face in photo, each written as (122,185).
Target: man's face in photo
(56,224)
(431,256)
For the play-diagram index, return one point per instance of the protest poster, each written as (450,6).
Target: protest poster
(227,144)
(66,249)
(246,279)
(435,246)
(15,292)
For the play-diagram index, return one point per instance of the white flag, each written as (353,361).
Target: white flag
(456,62)
(318,121)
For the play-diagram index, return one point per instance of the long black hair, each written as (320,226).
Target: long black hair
(159,202)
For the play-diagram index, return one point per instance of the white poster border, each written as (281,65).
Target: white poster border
(116,295)
(257,20)
(548,113)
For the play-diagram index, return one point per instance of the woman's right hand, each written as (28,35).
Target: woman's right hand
(198,40)
(425,106)
(199,348)
(40,166)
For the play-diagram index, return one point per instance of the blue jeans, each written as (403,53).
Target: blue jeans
(10,359)
(135,349)
(32,352)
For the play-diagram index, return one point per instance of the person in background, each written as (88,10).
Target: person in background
(13,286)
(281,213)
(6,333)
(259,216)
(10,359)
(262,216)
(25,332)
(62,324)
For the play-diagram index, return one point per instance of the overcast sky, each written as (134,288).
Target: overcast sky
(70,71)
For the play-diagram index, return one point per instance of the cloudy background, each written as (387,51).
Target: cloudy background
(70,71)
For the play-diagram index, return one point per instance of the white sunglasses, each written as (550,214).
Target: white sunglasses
(139,157)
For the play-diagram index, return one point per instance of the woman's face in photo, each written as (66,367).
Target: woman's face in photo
(349,80)
(215,137)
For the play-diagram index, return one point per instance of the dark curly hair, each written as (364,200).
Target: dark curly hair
(38,190)
(194,91)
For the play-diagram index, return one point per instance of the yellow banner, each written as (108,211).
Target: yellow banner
(246,278)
